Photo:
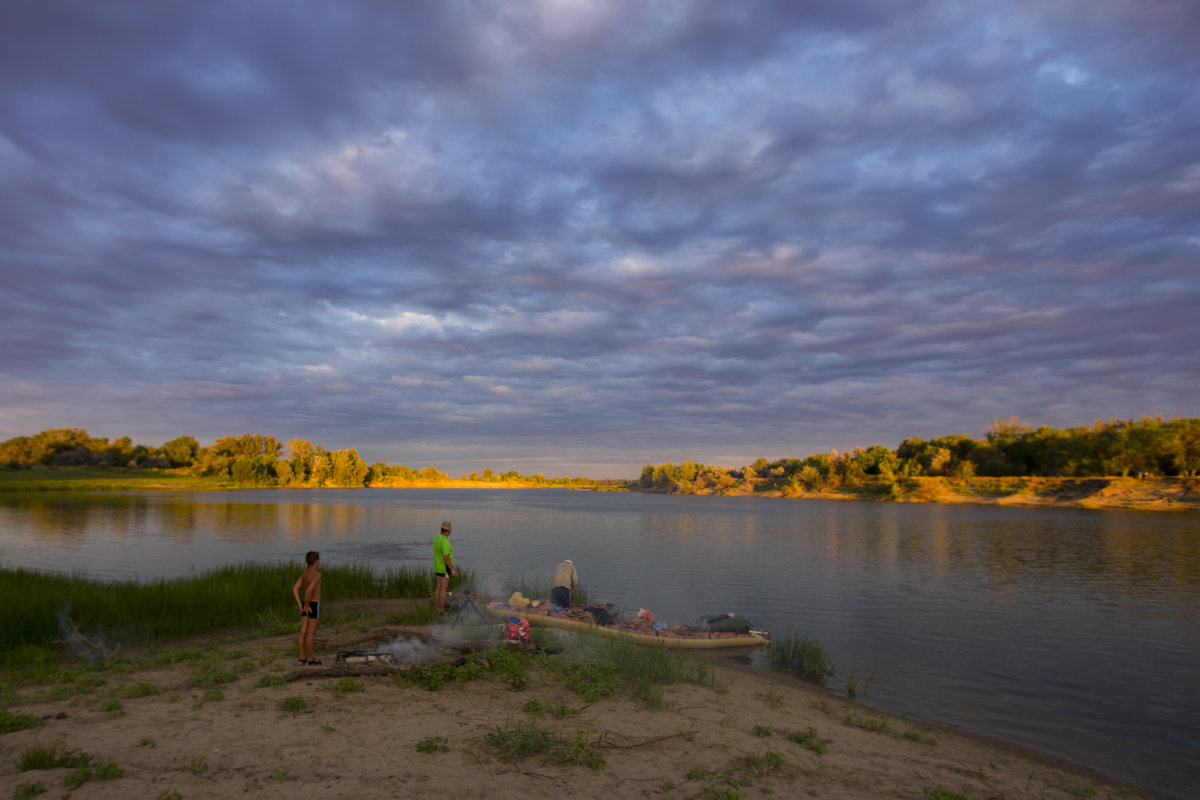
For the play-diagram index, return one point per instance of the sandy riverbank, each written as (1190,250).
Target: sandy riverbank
(236,739)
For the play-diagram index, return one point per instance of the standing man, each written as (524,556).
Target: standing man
(443,566)
(565,581)
(309,605)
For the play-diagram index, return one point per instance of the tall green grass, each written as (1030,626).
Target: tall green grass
(108,613)
(800,655)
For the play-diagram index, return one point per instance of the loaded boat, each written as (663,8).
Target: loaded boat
(724,630)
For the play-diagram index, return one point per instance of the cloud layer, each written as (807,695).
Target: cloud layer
(577,237)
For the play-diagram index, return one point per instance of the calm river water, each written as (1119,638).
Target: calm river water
(1076,632)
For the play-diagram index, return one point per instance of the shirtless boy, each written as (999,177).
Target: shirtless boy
(309,605)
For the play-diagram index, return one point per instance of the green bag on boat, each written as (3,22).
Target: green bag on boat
(724,623)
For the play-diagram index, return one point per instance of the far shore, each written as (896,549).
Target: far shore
(1124,493)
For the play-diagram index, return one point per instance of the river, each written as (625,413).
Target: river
(1075,632)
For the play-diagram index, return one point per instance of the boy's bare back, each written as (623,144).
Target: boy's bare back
(310,581)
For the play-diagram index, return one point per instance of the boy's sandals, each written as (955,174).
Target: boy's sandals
(310,663)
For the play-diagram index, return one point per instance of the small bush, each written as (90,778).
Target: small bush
(348,684)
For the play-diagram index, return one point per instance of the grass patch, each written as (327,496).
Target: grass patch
(91,772)
(22,791)
(513,744)
(605,666)
(434,744)
(112,707)
(347,685)
(810,740)
(800,655)
(58,479)
(139,689)
(294,704)
(868,724)
(536,708)
(938,793)
(434,678)
(10,722)
(270,682)
(50,756)
(1074,789)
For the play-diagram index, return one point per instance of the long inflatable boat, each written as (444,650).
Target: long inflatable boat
(638,629)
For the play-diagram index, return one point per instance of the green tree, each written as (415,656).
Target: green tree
(181,451)
(347,469)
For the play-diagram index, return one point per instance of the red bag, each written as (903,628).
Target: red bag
(518,630)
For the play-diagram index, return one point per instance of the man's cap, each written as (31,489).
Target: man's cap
(568,561)
(446,525)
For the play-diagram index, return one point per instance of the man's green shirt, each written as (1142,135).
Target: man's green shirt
(441,549)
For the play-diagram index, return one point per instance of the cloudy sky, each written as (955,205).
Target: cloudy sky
(577,237)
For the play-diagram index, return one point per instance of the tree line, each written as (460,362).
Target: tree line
(249,459)
(1010,448)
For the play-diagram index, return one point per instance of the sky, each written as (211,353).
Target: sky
(577,237)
